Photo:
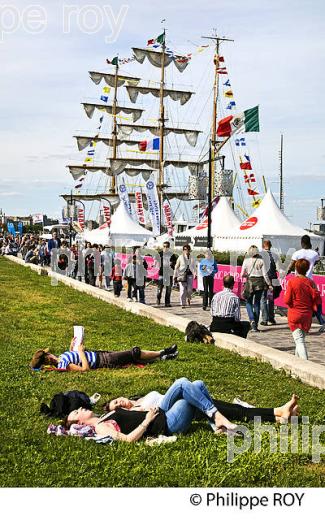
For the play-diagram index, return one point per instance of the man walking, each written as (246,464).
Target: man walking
(166,270)
(268,296)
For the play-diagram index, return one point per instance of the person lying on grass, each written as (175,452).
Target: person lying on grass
(176,411)
(84,360)
(233,412)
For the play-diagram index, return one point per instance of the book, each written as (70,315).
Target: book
(78,334)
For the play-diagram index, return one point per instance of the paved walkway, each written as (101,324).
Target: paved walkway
(278,336)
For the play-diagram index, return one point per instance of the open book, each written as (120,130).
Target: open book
(78,334)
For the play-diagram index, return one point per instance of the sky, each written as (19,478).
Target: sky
(276,61)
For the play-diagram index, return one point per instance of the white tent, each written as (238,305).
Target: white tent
(124,231)
(223,219)
(266,223)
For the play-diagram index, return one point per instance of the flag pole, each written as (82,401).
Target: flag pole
(162,129)
(209,244)
(217,41)
(114,131)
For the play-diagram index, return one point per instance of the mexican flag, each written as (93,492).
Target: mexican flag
(247,121)
(160,39)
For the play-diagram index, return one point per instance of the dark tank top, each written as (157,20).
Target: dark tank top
(129,420)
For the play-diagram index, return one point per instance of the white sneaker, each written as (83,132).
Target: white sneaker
(242,403)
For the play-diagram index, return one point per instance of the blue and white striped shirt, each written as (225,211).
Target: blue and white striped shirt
(73,357)
(225,304)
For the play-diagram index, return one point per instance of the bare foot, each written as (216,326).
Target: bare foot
(286,411)
(222,423)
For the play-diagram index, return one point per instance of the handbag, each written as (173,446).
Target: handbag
(247,288)
(182,277)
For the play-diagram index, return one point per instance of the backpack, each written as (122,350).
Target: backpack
(64,403)
(198,333)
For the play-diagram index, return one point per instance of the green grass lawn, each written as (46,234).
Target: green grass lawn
(34,314)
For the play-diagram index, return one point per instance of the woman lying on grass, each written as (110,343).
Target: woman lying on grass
(84,360)
(233,412)
(177,408)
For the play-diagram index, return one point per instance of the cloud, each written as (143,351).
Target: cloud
(9,193)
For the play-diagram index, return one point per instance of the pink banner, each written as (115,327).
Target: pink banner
(235,272)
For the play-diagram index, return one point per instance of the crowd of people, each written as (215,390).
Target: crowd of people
(261,271)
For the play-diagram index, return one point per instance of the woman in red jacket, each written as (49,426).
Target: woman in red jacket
(302,298)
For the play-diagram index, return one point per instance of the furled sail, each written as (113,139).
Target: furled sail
(79,170)
(176,95)
(103,107)
(109,79)
(155,58)
(84,140)
(191,136)
(117,166)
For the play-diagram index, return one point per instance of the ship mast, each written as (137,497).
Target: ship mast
(217,40)
(213,151)
(162,128)
(114,131)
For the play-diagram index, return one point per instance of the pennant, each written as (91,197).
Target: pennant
(124,196)
(230,105)
(104,98)
(247,121)
(228,94)
(91,152)
(222,70)
(160,39)
(107,215)
(249,177)
(214,202)
(101,119)
(81,218)
(88,159)
(240,141)
(227,84)
(153,206)
(168,217)
(114,61)
(245,165)
(93,144)
(139,207)
(252,192)
(106,90)
(77,186)
(256,203)
(217,58)
(152,144)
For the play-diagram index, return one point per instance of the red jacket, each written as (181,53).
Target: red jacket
(302,299)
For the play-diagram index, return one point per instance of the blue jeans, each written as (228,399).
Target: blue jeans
(319,315)
(181,401)
(267,307)
(253,306)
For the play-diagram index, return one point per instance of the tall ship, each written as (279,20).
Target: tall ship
(155,149)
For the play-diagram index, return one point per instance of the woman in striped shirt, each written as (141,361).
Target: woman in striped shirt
(84,360)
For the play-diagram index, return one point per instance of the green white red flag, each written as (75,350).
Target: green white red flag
(247,121)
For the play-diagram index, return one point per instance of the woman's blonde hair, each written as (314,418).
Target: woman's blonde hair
(253,251)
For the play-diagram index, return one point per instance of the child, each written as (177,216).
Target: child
(116,276)
(130,275)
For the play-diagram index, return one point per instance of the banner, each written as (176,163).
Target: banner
(20,228)
(81,218)
(107,215)
(168,217)
(153,206)
(139,208)
(11,228)
(37,218)
(124,196)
